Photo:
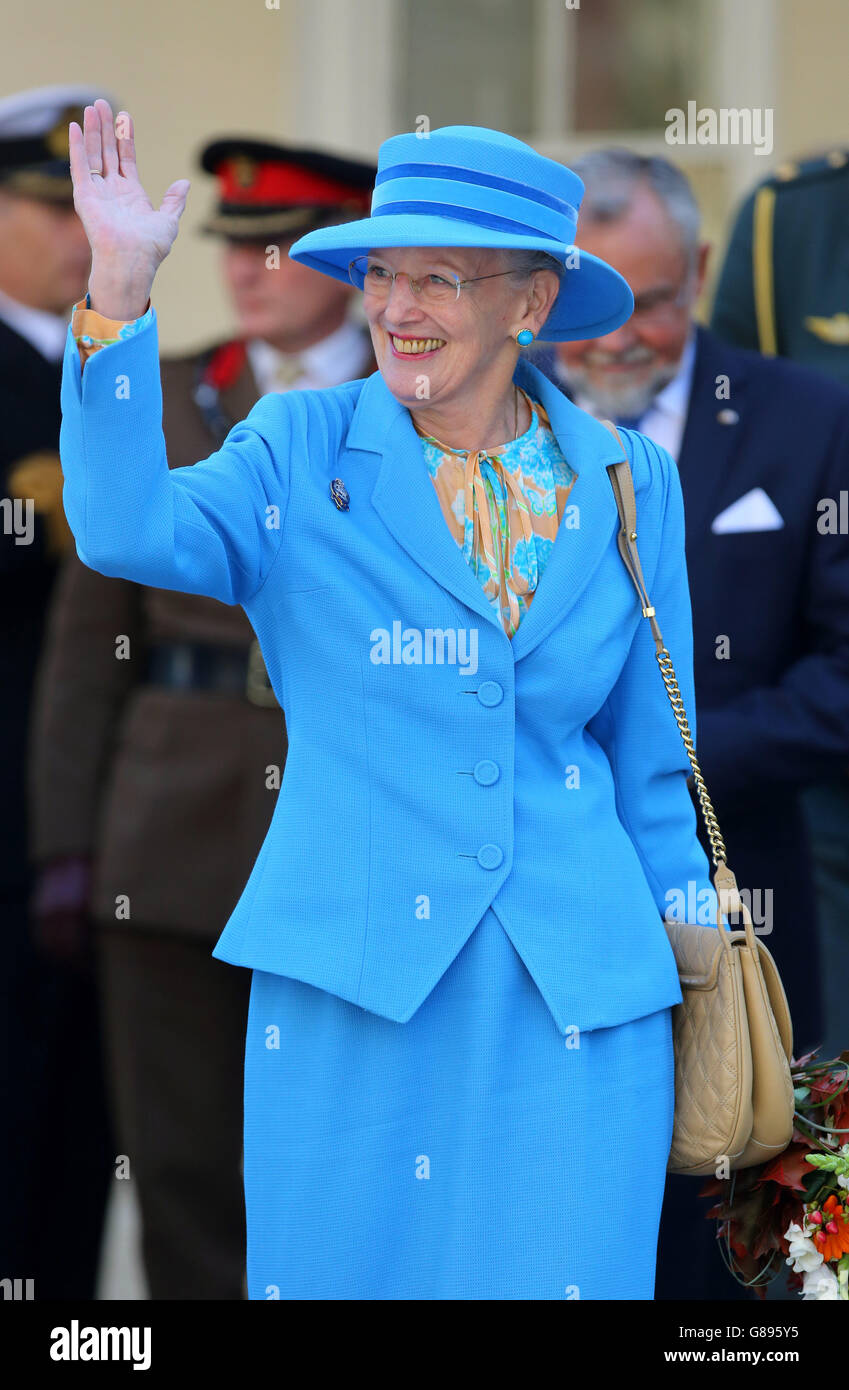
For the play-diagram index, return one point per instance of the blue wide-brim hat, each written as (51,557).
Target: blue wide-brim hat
(464,185)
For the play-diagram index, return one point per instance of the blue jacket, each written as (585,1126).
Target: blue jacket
(435,767)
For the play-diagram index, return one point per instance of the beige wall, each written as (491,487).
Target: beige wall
(186,71)
(812,62)
(793,57)
(313,71)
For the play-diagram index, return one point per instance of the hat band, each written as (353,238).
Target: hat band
(480,219)
(242,223)
(270,182)
(24,150)
(458,174)
(511,209)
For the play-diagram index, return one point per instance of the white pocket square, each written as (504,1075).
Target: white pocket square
(754,511)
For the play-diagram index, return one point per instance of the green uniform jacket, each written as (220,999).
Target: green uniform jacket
(784,286)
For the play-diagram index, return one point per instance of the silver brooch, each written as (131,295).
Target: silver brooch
(339,493)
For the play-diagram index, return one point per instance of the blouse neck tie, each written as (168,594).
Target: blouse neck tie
(498,550)
(482,504)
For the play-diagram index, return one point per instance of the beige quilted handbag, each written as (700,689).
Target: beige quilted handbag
(732,1033)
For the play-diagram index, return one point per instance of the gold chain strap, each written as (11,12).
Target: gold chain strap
(623,488)
(670,680)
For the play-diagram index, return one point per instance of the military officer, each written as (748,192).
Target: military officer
(784,291)
(56,1147)
(160,745)
(784,285)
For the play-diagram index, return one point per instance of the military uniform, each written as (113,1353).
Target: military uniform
(57,1147)
(159,759)
(784,286)
(784,291)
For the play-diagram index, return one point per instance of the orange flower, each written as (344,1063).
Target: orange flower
(832,1245)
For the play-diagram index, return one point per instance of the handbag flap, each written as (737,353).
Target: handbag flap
(698,952)
(698,955)
(777,999)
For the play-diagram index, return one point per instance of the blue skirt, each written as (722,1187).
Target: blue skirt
(470,1153)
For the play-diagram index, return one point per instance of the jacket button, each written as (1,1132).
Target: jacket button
(487,772)
(489,856)
(490,693)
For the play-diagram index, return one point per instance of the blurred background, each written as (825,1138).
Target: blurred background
(346,74)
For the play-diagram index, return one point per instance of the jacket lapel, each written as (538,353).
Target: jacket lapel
(578,549)
(404,496)
(708,446)
(406,501)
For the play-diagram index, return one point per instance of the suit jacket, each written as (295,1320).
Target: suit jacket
(29,440)
(771,630)
(774,715)
(435,767)
(128,772)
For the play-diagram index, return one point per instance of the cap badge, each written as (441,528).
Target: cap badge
(244,170)
(56,138)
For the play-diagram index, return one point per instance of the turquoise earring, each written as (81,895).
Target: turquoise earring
(525,337)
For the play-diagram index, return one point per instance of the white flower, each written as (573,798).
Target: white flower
(842,1180)
(820,1284)
(804,1255)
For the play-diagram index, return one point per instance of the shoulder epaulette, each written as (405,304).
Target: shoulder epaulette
(794,172)
(786,176)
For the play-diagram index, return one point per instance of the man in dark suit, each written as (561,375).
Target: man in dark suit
(786,293)
(159,745)
(763,453)
(56,1149)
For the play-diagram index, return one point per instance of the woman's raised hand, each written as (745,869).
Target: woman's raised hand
(128,236)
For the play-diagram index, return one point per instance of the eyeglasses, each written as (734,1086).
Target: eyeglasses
(433,287)
(656,306)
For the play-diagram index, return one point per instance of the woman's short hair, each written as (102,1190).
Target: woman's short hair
(525,261)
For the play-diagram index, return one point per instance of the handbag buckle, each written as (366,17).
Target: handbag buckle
(728,893)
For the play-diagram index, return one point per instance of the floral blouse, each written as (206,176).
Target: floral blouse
(502,507)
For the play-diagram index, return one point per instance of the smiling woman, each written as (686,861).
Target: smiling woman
(465,306)
(438,286)
(459,1039)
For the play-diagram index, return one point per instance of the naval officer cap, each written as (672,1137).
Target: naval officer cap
(34,155)
(269,189)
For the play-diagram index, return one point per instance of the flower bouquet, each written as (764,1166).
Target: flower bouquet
(794,1209)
